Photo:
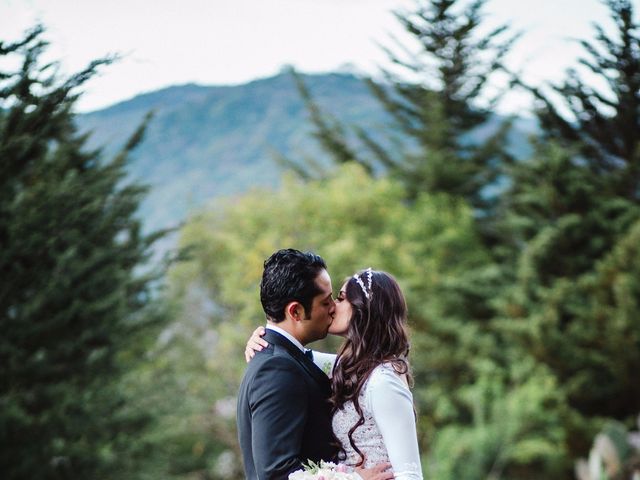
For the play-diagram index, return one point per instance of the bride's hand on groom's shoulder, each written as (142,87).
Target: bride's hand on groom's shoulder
(255,343)
(379,472)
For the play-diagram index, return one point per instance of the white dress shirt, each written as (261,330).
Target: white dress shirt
(286,335)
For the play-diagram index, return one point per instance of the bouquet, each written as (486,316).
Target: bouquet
(323,471)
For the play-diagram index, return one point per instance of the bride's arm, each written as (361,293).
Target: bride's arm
(256,343)
(391,403)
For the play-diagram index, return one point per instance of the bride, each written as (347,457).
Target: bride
(372,406)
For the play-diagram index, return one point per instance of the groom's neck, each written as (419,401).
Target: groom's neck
(288,327)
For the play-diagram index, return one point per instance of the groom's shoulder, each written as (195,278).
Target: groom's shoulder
(275,360)
(277,366)
(274,356)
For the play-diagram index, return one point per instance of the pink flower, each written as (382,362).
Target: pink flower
(341,467)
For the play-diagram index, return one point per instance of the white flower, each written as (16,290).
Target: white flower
(322,471)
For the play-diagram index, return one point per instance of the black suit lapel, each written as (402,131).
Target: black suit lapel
(318,375)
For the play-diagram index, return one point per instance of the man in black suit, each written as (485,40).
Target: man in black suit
(283,416)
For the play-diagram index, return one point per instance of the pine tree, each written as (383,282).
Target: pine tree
(603,124)
(571,215)
(441,110)
(72,284)
(437,113)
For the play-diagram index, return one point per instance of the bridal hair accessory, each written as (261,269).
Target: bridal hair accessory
(366,290)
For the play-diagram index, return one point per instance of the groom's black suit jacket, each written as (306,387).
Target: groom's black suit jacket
(284,417)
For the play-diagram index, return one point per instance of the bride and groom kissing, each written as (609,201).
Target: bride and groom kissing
(361,413)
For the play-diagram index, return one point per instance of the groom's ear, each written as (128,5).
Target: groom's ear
(294,311)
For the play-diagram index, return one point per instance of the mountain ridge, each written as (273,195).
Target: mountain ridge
(210,141)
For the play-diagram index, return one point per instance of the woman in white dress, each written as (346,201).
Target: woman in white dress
(373,415)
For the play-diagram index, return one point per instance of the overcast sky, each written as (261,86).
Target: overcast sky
(216,42)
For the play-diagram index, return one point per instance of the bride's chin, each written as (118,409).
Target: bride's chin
(336,332)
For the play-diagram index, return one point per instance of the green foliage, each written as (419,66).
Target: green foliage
(516,431)
(570,229)
(353,220)
(73,294)
(573,303)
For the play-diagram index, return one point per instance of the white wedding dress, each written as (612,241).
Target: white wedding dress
(389,430)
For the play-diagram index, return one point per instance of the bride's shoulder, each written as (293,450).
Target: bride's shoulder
(386,373)
(386,386)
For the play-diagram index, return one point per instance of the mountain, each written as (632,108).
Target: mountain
(210,141)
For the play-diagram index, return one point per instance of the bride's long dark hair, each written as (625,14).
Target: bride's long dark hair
(377,334)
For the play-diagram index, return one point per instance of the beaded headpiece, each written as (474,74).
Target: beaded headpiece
(366,290)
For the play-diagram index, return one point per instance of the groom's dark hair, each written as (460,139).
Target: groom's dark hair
(289,275)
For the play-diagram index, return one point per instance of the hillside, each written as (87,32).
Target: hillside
(208,141)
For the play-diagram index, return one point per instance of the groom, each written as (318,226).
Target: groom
(283,416)
(283,413)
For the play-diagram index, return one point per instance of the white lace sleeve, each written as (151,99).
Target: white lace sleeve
(324,361)
(391,403)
